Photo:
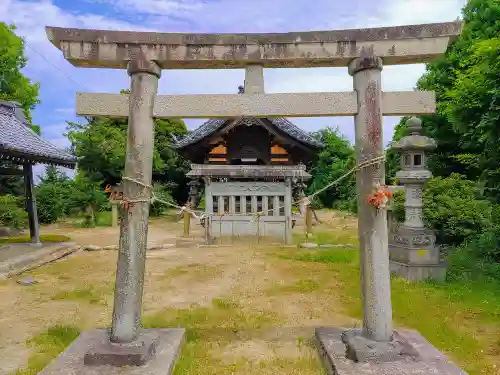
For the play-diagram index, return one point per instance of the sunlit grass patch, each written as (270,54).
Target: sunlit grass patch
(206,327)
(48,345)
(300,286)
(193,271)
(91,295)
(44,238)
(453,316)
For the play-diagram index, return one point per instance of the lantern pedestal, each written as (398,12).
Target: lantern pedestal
(414,255)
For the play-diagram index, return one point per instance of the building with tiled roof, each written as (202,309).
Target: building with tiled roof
(20,147)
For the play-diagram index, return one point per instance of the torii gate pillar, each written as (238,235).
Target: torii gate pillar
(372,223)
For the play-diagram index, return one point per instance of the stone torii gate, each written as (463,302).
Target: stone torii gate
(144,55)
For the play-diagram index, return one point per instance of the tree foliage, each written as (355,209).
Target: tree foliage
(13,84)
(100,144)
(337,158)
(454,208)
(12,213)
(466,82)
(59,196)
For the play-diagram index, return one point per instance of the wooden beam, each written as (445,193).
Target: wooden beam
(10,171)
(320,104)
(31,204)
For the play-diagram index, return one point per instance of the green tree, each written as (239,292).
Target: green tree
(453,207)
(467,105)
(100,143)
(473,107)
(337,158)
(87,196)
(16,87)
(13,84)
(12,213)
(53,195)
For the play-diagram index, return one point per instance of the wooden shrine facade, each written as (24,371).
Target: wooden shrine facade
(251,169)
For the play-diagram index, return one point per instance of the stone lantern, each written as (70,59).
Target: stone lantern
(194,185)
(412,250)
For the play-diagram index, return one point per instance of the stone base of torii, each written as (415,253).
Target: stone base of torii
(375,349)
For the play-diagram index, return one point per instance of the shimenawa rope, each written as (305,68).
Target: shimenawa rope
(306,200)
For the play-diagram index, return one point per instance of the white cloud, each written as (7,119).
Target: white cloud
(407,12)
(58,86)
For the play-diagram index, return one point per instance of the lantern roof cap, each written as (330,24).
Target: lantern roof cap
(415,140)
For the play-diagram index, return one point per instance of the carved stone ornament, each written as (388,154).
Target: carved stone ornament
(400,239)
(421,240)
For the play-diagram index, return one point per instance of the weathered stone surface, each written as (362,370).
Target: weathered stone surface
(308,245)
(161,246)
(372,222)
(419,272)
(167,246)
(322,104)
(106,353)
(71,361)
(92,248)
(137,180)
(424,359)
(361,349)
(19,258)
(112,49)
(331,246)
(412,249)
(27,281)
(110,247)
(188,242)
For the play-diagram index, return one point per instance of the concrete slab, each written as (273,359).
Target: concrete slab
(15,257)
(71,362)
(429,360)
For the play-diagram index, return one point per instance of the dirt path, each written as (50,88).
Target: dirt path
(216,291)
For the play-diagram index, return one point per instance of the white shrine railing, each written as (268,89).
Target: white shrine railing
(235,206)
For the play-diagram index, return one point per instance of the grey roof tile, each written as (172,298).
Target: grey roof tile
(211,126)
(18,139)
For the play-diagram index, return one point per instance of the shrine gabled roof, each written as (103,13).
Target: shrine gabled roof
(213,125)
(20,144)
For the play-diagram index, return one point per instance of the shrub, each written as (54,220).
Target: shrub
(454,208)
(52,201)
(12,213)
(162,192)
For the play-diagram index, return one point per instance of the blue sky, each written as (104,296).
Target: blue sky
(60,81)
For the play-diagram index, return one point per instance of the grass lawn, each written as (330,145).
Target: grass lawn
(257,306)
(44,238)
(460,318)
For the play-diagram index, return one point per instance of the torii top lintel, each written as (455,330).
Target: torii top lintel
(395,45)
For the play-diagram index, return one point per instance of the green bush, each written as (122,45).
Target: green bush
(59,196)
(52,201)
(12,213)
(454,208)
(162,192)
